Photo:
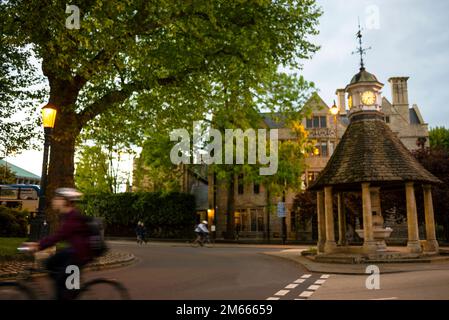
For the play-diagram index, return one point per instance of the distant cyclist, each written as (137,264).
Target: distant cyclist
(74,230)
(202,232)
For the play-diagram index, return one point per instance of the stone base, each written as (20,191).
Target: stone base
(414,246)
(330,246)
(431,246)
(320,246)
(377,257)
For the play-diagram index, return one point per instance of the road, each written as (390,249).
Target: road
(233,272)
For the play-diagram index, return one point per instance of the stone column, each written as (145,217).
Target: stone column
(330,244)
(321,220)
(412,219)
(431,243)
(341,220)
(369,245)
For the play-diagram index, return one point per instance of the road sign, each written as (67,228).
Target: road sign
(281,210)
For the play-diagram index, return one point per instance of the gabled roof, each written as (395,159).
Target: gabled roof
(276,120)
(22,173)
(370,152)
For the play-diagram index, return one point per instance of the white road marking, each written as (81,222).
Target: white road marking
(291,286)
(282,292)
(325,276)
(306,276)
(320,281)
(299,299)
(313,287)
(273,298)
(299,281)
(390,298)
(306,294)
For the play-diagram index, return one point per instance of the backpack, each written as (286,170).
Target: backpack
(97,244)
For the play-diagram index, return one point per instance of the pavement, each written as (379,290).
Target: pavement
(112,258)
(178,271)
(431,263)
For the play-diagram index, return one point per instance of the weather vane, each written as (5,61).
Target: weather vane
(360,50)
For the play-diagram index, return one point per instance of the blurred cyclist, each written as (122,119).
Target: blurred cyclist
(74,230)
(202,232)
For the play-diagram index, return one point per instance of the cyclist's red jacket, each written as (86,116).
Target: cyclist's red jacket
(74,230)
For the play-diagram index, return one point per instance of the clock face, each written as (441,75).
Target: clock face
(368,98)
(350,102)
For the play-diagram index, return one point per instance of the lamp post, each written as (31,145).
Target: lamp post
(334,111)
(48,119)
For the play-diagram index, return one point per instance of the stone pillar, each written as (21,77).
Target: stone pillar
(321,220)
(369,245)
(330,244)
(431,243)
(412,219)
(341,220)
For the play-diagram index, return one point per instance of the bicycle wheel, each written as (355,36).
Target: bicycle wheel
(15,291)
(103,289)
(208,243)
(195,243)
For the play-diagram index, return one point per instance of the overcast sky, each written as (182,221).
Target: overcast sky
(408,38)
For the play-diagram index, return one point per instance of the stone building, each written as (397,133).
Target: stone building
(252,219)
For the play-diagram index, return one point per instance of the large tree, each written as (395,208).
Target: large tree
(439,138)
(128,49)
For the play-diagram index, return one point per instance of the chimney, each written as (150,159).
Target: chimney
(399,90)
(341,102)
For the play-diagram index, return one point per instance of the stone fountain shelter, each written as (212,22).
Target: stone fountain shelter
(370,157)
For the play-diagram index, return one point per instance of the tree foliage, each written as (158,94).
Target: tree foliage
(92,171)
(7,176)
(439,138)
(153,57)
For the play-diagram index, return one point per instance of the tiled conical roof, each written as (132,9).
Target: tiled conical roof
(370,152)
(363,76)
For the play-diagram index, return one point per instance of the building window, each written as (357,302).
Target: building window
(256,188)
(387,119)
(240,184)
(257,220)
(322,149)
(309,123)
(323,123)
(311,176)
(316,122)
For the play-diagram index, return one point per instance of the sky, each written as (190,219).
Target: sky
(408,38)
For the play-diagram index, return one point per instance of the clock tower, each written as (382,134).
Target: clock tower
(364,90)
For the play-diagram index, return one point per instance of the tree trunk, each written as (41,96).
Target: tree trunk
(62,148)
(230,223)
(268,214)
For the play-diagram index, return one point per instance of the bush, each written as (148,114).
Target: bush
(165,215)
(13,222)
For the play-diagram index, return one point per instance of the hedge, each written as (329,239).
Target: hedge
(13,222)
(165,215)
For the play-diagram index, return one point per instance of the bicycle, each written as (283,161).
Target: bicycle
(204,241)
(26,287)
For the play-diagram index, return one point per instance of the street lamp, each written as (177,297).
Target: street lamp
(48,119)
(334,111)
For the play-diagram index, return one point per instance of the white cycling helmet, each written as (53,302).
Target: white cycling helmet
(69,194)
(204,221)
